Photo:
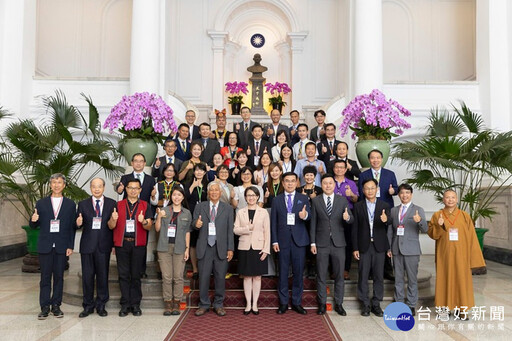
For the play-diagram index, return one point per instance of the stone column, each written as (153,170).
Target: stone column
(367,45)
(298,67)
(218,45)
(145,47)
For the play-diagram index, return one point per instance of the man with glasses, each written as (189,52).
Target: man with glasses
(147,181)
(244,128)
(194,133)
(170,147)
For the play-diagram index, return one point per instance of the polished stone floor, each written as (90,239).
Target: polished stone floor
(19,308)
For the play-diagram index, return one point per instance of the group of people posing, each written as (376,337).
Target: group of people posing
(276,198)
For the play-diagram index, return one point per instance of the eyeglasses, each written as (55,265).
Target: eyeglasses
(133,188)
(251,195)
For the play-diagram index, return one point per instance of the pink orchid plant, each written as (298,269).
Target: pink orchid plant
(279,89)
(372,116)
(236,89)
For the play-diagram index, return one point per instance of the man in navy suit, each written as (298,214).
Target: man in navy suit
(170,147)
(194,133)
(55,216)
(147,181)
(244,128)
(289,239)
(386,189)
(182,143)
(95,247)
(327,147)
(211,146)
(292,130)
(257,146)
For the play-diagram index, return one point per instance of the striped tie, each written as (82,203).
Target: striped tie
(329,206)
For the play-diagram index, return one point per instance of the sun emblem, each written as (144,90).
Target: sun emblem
(257,40)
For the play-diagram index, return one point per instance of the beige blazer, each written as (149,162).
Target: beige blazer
(259,237)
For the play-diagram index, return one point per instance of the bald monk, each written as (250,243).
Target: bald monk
(457,251)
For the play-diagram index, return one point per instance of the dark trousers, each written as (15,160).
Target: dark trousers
(371,259)
(51,264)
(130,262)
(95,265)
(211,262)
(347,230)
(337,256)
(296,256)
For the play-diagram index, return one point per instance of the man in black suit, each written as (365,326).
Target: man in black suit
(273,128)
(292,130)
(257,146)
(170,148)
(182,143)
(95,247)
(190,117)
(327,147)
(370,243)
(147,181)
(211,146)
(244,128)
(318,132)
(327,236)
(55,215)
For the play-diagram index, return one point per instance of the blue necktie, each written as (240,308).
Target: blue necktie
(98,212)
(289,203)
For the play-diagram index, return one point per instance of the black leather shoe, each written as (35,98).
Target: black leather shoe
(136,311)
(247,312)
(255,312)
(85,313)
(44,313)
(57,312)
(413,311)
(102,312)
(299,309)
(339,309)
(282,309)
(124,312)
(195,275)
(377,311)
(365,311)
(321,309)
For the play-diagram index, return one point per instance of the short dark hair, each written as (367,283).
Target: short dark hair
(134,180)
(339,161)
(309,169)
(183,125)
(290,174)
(294,110)
(329,125)
(223,166)
(375,151)
(138,154)
(405,186)
(302,125)
(319,112)
(170,140)
(327,175)
(205,124)
(169,165)
(245,107)
(256,126)
(309,144)
(343,142)
(178,188)
(254,189)
(240,152)
(370,180)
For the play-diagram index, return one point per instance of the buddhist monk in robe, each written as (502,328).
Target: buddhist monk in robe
(457,251)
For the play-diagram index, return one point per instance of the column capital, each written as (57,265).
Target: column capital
(282,47)
(297,40)
(219,39)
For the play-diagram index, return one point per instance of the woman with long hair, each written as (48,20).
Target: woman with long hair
(247,177)
(282,139)
(234,173)
(186,175)
(287,161)
(261,172)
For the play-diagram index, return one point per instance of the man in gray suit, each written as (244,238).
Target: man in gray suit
(273,128)
(214,220)
(328,211)
(211,146)
(407,220)
(244,128)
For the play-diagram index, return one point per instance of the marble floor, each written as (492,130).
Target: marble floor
(19,308)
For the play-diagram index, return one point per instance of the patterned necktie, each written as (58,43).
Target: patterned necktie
(170,160)
(98,211)
(257,149)
(330,144)
(377,176)
(211,239)
(329,206)
(300,148)
(246,126)
(183,146)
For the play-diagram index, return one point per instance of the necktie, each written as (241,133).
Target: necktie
(170,160)
(377,176)
(289,203)
(205,142)
(329,206)
(137,176)
(183,146)
(300,148)
(246,126)
(257,147)
(98,212)
(330,144)
(211,239)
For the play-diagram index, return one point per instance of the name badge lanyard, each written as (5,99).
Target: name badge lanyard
(452,223)
(131,212)
(276,188)
(56,212)
(337,188)
(173,224)
(402,215)
(371,215)
(285,166)
(265,176)
(199,193)
(167,189)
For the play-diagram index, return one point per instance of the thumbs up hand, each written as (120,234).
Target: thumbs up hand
(416,217)
(248,152)
(267,193)
(35,216)
(440,221)
(383,216)
(153,192)
(115,215)
(237,127)
(346,216)
(140,217)
(391,189)
(324,149)
(348,191)
(303,213)
(199,222)
(160,213)
(120,188)
(79,220)
(157,163)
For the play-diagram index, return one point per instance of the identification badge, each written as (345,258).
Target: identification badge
(290,219)
(454,234)
(54,226)
(378,192)
(130,225)
(171,230)
(332,157)
(96,223)
(231,164)
(400,229)
(256,160)
(211,229)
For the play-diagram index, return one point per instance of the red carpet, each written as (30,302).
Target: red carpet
(266,326)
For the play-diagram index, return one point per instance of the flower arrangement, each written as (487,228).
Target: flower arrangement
(141,115)
(236,89)
(278,88)
(372,117)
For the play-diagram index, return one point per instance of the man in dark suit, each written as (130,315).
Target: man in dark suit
(194,133)
(329,212)
(244,128)
(327,147)
(182,143)
(292,130)
(215,245)
(257,146)
(273,128)
(370,244)
(407,220)
(387,188)
(318,132)
(211,146)
(95,247)
(170,148)
(147,181)
(55,215)
(290,238)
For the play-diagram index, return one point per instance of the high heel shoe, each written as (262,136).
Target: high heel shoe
(255,312)
(247,312)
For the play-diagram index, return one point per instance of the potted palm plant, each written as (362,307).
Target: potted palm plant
(60,141)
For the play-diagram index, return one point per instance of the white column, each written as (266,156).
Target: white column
(367,44)
(296,100)
(218,46)
(145,47)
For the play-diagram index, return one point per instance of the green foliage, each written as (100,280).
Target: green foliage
(235,99)
(277,100)
(460,153)
(60,141)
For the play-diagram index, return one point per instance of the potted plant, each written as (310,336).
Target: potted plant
(460,153)
(236,89)
(278,90)
(60,141)
(142,119)
(374,120)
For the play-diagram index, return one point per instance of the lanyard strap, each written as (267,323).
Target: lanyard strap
(56,212)
(167,189)
(130,212)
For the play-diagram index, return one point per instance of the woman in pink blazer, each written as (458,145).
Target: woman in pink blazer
(252,224)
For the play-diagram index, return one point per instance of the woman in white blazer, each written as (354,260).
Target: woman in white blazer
(252,224)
